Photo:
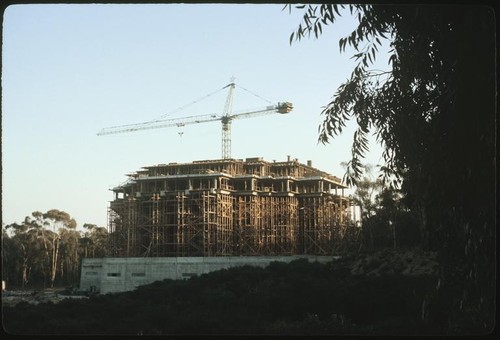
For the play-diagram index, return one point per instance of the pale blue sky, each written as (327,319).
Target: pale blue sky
(70,70)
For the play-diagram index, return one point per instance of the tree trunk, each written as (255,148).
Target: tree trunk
(55,255)
(394,218)
(24,274)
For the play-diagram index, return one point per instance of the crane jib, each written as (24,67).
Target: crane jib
(225,118)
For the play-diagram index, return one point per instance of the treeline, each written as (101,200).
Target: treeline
(45,250)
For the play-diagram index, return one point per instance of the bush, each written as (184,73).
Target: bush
(294,298)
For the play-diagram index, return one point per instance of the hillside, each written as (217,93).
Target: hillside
(381,293)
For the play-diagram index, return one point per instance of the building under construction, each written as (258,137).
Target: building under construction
(230,207)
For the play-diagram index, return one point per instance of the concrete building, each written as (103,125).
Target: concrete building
(230,207)
(174,221)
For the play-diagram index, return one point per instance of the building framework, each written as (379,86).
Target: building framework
(230,207)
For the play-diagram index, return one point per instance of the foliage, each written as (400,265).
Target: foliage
(386,220)
(366,190)
(297,298)
(434,113)
(46,248)
(94,241)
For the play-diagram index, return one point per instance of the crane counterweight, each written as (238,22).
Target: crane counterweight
(285,107)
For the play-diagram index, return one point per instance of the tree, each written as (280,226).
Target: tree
(434,113)
(22,254)
(366,190)
(46,247)
(365,194)
(384,215)
(69,264)
(95,240)
(57,221)
(15,260)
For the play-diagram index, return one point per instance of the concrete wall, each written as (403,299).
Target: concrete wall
(110,275)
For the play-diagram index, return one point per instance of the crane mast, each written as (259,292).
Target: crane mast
(226,118)
(226,123)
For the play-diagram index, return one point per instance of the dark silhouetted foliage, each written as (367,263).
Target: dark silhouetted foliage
(434,111)
(294,298)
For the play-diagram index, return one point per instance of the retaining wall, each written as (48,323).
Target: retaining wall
(111,275)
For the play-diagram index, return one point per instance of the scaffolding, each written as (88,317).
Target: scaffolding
(230,207)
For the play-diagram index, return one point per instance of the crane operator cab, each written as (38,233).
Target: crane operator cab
(285,107)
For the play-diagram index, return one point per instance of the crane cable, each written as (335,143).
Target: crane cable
(208,95)
(193,102)
(168,113)
(256,95)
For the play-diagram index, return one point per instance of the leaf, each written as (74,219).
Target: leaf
(359,31)
(307,20)
(335,8)
(392,59)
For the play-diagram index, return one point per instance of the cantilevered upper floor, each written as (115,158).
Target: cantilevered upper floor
(249,176)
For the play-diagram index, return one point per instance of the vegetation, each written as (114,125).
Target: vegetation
(294,298)
(433,110)
(387,222)
(45,250)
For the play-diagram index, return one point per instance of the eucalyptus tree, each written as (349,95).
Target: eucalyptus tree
(69,263)
(61,224)
(6,245)
(94,242)
(16,262)
(47,247)
(50,226)
(22,254)
(433,110)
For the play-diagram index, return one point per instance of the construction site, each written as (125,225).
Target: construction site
(178,220)
(230,207)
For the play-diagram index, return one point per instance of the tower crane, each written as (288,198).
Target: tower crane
(226,118)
